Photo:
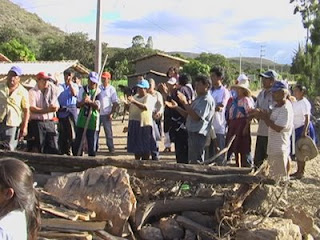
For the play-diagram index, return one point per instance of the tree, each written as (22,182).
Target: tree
(308,10)
(195,67)
(213,59)
(17,51)
(149,43)
(138,41)
(121,69)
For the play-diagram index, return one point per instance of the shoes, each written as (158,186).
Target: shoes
(296,175)
(112,151)
(167,149)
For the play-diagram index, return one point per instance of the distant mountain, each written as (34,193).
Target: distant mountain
(12,15)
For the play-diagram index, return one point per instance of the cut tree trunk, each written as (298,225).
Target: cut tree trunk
(164,207)
(58,163)
(196,228)
(199,177)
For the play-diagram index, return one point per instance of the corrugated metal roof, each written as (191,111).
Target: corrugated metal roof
(150,71)
(3,58)
(161,55)
(32,68)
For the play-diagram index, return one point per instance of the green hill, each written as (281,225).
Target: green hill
(12,15)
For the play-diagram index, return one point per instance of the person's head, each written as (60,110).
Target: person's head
(13,76)
(172,72)
(216,75)
(279,91)
(171,84)
(17,192)
(299,91)
(184,79)
(241,89)
(93,80)
(202,84)
(268,78)
(106,78)
(42,80)
(77,79)
(152,85)
(142,87)
(68,75)
(139,78)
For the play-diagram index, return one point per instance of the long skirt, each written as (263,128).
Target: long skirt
(140,140)
(242,142)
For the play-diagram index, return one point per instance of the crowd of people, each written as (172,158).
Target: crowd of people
(200,116)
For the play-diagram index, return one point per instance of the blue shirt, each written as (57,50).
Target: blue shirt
(204,106)
(65,98)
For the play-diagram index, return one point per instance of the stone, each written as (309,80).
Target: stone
(270,229)
(262,199)
(105,190)
(299,217)
(171,229)
(149,232)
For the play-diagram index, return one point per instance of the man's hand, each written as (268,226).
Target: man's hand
(162,87)
(23,132)
(171,104)
(53,108)
(156,115)
(182,98)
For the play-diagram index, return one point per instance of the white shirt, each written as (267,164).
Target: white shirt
(300,109)
(279,142)
(158,102)
(221,96)
(13,226)
(108,96)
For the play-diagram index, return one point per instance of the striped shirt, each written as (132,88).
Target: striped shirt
(279,142)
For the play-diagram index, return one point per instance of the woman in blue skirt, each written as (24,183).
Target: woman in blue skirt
(141,140)
(302,124)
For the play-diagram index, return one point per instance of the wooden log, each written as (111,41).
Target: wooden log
(59,212)
(165,207)
(55,223)
(107,236)
(198,177)
(197,228)
(84,214)
(63,235)
(58,163)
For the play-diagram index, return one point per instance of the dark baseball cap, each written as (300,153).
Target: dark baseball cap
(269,74)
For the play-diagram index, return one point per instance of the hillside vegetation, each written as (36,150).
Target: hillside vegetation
(11,15)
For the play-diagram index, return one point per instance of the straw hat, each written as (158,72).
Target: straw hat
(243,82)
(306,149)
(30,83)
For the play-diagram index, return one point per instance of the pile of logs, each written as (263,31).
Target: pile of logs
(174,191)
(64,220)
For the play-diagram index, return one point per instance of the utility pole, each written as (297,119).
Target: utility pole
(262,54)
(97,62)
(240,70)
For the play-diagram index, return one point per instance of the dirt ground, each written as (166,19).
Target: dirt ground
(304,192)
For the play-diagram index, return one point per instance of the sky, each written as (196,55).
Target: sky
(233,28)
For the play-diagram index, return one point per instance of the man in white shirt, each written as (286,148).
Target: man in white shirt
(265,102)
(109,103)
(221,96)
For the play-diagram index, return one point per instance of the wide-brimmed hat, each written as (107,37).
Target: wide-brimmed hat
(30,83)
(306,149)
(243,82)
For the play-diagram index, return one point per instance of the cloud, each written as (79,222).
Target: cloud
(227,27)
